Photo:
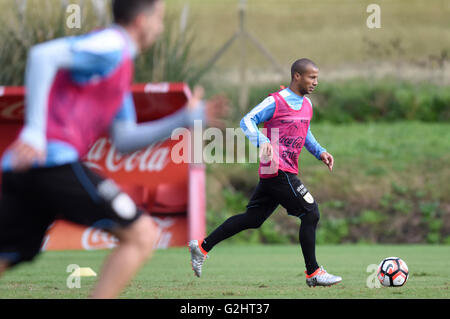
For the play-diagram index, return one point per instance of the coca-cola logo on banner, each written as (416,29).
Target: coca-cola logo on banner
(94,238)
(103,155)
(14,111)
(163,87)
(164,235)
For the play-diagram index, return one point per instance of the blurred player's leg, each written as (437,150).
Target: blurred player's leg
(82,197)
(24,219)
(135,247)
(86,198)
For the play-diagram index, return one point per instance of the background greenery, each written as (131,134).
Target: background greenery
(389,184)
(413,42)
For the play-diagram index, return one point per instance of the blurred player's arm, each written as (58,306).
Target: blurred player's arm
(44,61)
(128,136)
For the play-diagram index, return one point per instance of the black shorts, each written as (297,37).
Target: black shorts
(32,200)
(286,190)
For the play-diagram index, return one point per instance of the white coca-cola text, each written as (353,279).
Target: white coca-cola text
(152,159)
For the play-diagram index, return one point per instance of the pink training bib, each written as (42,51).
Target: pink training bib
(79,114)
(287,131)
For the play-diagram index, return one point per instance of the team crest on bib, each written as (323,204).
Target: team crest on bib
(308,198)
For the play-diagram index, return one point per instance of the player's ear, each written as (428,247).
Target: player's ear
(139,20)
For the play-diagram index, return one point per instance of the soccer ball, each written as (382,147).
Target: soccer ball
(393,272)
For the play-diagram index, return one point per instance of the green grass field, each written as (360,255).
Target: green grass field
(376,154)
(241,271)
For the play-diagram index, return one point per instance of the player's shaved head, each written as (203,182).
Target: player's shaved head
(304,76)
(125,11)
(301,65)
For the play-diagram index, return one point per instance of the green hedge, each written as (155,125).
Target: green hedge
(399,218)
(382,100)
(389,185)
(362,100)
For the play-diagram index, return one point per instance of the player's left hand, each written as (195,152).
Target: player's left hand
(23,156)
(197,95)
(217,110)
(328,159)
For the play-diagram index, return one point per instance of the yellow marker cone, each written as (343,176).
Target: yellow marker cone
(84,272)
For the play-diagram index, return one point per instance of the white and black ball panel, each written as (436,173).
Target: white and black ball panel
(393,272)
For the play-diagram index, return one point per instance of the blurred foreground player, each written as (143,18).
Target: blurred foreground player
(78,88)
(287,115)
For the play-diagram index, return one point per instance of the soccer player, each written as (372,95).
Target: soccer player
(287,115)
(77,89)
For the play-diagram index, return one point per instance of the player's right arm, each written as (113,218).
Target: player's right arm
(263,112)
(259,114)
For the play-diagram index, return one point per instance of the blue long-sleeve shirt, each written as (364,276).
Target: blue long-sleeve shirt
(88,58)
(264,111)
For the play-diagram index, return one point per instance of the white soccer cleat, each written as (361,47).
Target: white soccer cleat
(321,278)
(198,257)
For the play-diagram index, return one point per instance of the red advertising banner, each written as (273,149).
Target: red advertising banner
(172,193)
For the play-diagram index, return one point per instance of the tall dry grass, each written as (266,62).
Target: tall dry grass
(28,22)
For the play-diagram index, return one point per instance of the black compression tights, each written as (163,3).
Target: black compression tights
(253,218)
(307,238)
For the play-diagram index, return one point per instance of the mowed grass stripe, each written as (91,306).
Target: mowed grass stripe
(242,271)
